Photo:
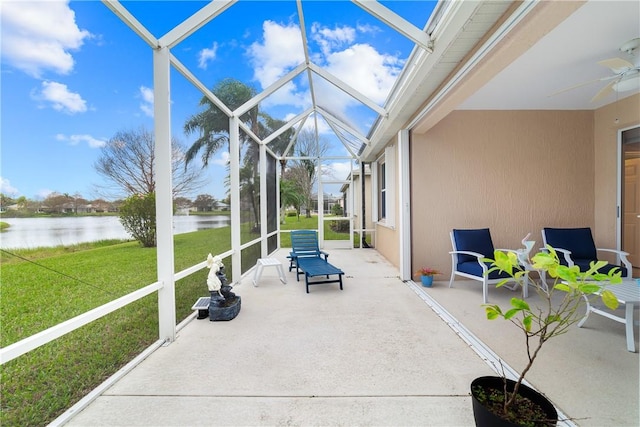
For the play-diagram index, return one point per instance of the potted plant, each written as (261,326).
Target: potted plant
(426,276)
(499,401)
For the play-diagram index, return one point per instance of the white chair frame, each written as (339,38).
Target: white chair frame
(523,254)
(622,256)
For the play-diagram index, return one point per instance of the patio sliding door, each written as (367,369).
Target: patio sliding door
(630,206)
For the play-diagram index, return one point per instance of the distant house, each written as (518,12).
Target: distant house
(221,206)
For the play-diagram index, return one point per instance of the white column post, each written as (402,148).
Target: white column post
(234,162)
(164,194)
(278,208)
(320,204)
(264,247)
(404,201)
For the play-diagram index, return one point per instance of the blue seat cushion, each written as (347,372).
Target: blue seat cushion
(473,268)
(583,264)
(478,240)
(577,240)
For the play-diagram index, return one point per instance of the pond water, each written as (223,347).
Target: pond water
(46,232)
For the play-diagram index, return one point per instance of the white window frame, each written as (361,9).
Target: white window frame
(388,159)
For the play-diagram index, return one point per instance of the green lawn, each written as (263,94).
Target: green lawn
(40,385)
(46,286)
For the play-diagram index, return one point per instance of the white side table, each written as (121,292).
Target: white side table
(628,294)
(268,262)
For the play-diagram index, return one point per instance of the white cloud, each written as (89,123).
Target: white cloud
(280,52)
(7,188)
(365,69)
(61,98)
(331,39)
(77,139)
(207,55)
(222,160)
(37,36)
(359,65)
(289,94)
(147,100)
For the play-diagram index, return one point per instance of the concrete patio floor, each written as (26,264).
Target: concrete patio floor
(373,354)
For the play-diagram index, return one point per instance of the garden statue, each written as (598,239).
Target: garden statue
(224,304)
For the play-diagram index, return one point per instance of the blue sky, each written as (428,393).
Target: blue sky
(73,75)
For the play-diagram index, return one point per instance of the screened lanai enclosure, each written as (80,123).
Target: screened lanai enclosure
(269,94)
(312,112)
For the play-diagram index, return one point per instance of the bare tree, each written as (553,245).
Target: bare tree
(127,162)
(59,203)
(303,170)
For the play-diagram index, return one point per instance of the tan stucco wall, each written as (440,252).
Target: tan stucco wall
(388,238)
(608,121)
(512,171)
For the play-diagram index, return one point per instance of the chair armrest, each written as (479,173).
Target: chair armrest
(478,255)
(326,255)
(566,253)
(475,254)
(615,251)
(623,259)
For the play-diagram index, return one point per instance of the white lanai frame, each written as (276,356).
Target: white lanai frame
(163,59)
(162,62)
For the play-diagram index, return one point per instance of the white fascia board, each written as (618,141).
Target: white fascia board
(197,83)
(347,89)
(288,125)
(268,91)
(126,17)
(396,22)
(496,36)
(195,22)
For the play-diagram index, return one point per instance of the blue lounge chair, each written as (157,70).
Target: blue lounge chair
(307,258)
(304,243)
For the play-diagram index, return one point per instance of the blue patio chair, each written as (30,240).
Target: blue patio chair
(469,248)
(575,246)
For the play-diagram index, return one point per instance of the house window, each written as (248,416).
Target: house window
(384,182)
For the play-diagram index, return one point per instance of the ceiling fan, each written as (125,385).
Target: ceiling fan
(626,73)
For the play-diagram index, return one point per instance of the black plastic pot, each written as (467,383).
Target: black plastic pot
(485,418)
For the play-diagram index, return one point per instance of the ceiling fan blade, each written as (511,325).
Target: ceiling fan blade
(617,65)
(605,90)
(602,79)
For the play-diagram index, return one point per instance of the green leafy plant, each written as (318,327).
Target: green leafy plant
(138,217)
(424,271)
(554,315)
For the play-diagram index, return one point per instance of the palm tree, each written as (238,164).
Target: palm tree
(213,124)
(213,127)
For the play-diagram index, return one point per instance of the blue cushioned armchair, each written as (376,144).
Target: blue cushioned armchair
(575,246)
(469,248)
